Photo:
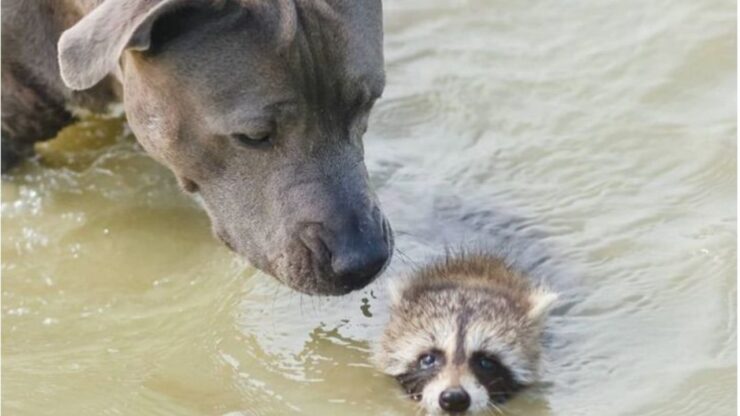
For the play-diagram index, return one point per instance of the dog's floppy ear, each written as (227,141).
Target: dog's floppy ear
(90,49)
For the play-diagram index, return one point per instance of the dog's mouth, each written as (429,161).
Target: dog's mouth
(299,269)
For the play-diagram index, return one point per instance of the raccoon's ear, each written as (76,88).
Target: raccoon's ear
(541,301)
(396,286)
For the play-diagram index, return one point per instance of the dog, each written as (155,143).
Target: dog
(257,106)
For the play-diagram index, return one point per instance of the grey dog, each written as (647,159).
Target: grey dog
(258,106)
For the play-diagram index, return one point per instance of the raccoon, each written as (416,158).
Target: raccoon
(465,334)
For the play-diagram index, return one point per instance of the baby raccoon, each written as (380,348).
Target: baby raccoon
(464,334)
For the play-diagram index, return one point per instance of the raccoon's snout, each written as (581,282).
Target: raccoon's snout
(454,399)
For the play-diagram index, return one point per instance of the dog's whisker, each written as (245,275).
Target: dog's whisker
(405,258)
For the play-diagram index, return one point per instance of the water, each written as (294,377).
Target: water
(594,141)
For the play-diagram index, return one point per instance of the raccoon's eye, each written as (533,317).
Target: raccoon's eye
(427,361)
(486,363)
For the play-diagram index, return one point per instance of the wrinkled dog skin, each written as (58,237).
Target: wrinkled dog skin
(258,107)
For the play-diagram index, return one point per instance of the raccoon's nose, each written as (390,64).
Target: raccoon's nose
(454,399)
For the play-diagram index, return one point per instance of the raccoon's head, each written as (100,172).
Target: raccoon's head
(464,347)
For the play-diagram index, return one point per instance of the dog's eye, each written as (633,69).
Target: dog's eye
(253,139)
(427,361)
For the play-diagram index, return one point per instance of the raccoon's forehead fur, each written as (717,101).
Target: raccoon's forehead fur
(464,305)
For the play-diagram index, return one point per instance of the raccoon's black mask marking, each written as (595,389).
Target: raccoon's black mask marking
(416,378)
(498,381)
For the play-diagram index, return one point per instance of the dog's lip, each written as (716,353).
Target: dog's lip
(280,268)
(224,237)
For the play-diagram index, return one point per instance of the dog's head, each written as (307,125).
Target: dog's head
(258,107)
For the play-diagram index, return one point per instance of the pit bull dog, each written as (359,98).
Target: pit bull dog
(256,106)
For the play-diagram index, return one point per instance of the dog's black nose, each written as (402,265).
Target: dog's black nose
(454,399)
(354,260)
(357,261)
(355,268)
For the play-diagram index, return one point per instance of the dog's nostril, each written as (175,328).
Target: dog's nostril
(311,236)
(454,399)
(358,268)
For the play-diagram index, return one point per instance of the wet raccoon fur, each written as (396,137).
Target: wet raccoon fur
(465,334)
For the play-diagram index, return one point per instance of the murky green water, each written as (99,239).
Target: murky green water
(599,136)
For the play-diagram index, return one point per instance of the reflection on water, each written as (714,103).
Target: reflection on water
(593,142)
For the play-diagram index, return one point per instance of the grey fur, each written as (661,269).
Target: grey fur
(200,79)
